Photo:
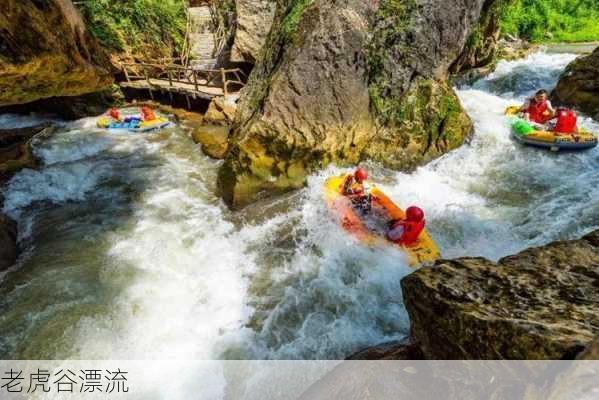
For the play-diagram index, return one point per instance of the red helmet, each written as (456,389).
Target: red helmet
(414,214)
(361,174)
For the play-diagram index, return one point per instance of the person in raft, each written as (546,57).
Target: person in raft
(406,231)
(538,109)
(147,114)
(566,122)
(114,114)
(353,187)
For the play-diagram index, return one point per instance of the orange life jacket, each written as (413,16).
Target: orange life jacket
(351,187)
(148,114)
(538,112)
(566,122)
(114,113)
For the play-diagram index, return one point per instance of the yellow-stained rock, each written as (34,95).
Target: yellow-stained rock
(220,111)
(213,138)
(47,52)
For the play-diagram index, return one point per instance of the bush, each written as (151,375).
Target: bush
(552,20)
(136,25)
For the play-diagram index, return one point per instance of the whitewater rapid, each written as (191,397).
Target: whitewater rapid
(130,254)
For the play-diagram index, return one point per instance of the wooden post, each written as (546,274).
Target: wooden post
(195,80)
(170,78)
(223,76)
(126,73)
(188,102)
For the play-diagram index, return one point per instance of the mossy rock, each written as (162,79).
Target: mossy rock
(213,138)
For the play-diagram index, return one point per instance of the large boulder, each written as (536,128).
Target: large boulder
(344,81)
(254,19)
(46,51)
(579,85)
(540,304)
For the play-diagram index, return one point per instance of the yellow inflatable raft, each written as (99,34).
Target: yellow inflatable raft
(133,124)
(373,231)
(528,134)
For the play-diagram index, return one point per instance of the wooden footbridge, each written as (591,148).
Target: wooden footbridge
(194,75)
(174,78)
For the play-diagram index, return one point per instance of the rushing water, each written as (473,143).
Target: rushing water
(131,255)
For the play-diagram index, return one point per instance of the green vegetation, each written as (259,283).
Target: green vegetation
(392,20)
(137,25)
(292,19)
(552,20)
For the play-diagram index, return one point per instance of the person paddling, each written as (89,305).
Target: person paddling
(353,187)
(114,114)
(147,114)
(406,231)
(538,109)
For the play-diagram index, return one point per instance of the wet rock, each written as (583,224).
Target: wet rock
(390,351)
(579,85)
(591,352)
(213,138)
(254,19)
(46,51)
(15,149)
(516,49)
(542,303)
(344,81)
(221,111)
(8,242)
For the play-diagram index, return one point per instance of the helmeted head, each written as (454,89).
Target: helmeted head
(361,175)
(541,96)
(414,214)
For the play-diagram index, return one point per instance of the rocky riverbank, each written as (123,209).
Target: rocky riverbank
(16,153)
(542,303)
(579,85)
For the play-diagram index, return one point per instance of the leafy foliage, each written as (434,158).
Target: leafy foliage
(552,20)
(136,25)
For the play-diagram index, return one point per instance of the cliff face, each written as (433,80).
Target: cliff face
(482,45)
(254,20)
(45,51)
(579,85)
(347,80)
(540,304)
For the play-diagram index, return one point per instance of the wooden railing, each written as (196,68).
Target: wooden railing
(174,74)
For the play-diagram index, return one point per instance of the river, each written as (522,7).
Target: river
(130,254)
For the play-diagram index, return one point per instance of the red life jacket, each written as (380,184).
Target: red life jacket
(411,233)
(536,111)
(566,122)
